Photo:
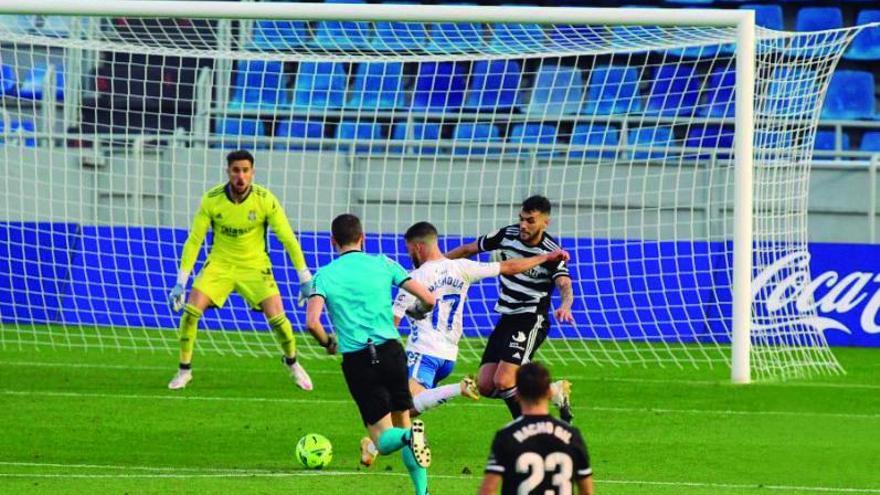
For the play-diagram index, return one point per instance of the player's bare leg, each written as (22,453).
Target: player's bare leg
(486,379)
(196,304)
(273,308)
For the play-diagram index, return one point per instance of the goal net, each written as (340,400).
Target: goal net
(113,128)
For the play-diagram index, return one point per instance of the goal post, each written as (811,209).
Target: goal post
(673,143)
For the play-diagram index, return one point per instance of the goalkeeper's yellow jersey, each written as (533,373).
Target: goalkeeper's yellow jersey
(240,229)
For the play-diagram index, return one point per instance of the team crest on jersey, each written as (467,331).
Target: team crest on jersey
(252,215)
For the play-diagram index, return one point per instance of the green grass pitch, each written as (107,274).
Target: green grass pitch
(93,422)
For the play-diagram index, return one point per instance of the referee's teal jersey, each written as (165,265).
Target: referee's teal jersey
(357,290)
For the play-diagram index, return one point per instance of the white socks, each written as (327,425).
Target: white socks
(433,397)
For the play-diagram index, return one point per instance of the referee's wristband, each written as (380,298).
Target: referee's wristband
(329,342)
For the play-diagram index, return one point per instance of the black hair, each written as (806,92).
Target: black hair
(346,229)
(532,382)
(237,155)
(420,231)
(536,203)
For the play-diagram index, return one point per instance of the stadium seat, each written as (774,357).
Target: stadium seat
(32,86)
(792,92)
(399,36)
(299,128)
(709,138)
(259,84)
(244,132)
(656,137)
(360,131)
(819,19)
(719,94)
(55,26)
(569,36)
(494,85)
(866,45)
(467,134)
(593,135)
(556,90)
(320,85)
(279,35)
(377,85)
(20,132)
(440,86)
(8,80)
(613,91)
(674,90)
(767,15)
(870,141)
(342,35)
(423,131)
(530,133)
(456,37)
(827,141)
(850,96)
(514,38)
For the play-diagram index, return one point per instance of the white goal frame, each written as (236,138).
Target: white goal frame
(743,20)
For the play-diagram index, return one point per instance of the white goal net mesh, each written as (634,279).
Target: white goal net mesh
(113,128)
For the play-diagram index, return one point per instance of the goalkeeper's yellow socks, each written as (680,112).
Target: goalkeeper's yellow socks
(284,334)
(189,324)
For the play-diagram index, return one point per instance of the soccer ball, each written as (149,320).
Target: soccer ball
(314,451)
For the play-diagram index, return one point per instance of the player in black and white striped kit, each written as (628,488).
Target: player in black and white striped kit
(523,303)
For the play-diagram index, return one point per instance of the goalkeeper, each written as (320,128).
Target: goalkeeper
(238,212)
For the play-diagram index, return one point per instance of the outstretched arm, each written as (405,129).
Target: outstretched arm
(193,243)
(464,251)
(519,265)
(281,226)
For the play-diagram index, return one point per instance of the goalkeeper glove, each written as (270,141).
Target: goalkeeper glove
(418,311)
(177,297)
(305,286)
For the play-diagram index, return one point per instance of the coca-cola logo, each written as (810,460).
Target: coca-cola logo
(784,288)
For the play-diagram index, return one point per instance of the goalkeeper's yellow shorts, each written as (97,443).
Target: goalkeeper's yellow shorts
(218,280)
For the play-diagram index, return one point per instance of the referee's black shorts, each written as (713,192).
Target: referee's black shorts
(378,388)
(516,338)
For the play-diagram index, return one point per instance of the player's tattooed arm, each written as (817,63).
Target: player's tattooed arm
(566,293)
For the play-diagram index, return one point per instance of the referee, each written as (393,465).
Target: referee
(356,288)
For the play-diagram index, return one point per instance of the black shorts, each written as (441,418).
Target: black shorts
(515,338)
(378,388)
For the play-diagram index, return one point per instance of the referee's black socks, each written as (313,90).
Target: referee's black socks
(509,396)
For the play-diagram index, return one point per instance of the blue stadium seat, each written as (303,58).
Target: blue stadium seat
(494,85)
(299,128)
(556,90)
(368,132)
(456,37)
(8,80)
(514,38)
(674,90)
(377,85)
(468,133)
(656,137)
(613,91)
(569,36)
(850,96)
(593,135)
(21,132)
(827,141)
(440,86)
(259,84)
(531,133)
(342,35)
(32,86)
(792,92)
(240,133)
(709,138)
(279,35)
(767,15)
(866,45)
(320,85)
(719,93)
(429,132)
(870,141)
(397,36)
(819,19)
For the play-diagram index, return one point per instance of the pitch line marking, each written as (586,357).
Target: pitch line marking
(633,410)
(172,472)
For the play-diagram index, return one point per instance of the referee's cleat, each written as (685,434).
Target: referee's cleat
(180,379)
(419,443)
(469,388)
(562,399)
(299,375)
(368,452)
